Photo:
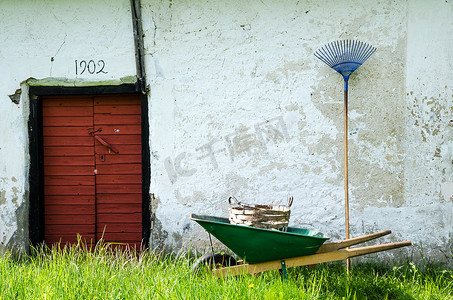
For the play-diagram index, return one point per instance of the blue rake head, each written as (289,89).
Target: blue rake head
(345,56)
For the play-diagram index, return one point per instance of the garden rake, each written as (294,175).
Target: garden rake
(345,57)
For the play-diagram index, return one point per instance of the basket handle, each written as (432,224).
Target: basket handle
(234,198)
(290,201)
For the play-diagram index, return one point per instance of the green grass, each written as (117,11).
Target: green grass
(75,273)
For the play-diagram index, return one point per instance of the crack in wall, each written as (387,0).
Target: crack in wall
(52,58)
(58,51)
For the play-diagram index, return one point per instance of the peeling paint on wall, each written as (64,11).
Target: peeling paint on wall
(12,226)
(16,96)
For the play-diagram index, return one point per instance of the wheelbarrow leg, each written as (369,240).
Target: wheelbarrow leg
(283,271)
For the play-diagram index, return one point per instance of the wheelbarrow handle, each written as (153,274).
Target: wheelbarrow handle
(350,242)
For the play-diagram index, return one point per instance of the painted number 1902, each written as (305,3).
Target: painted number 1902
(90,67)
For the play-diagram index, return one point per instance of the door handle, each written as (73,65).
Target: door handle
(93,131)
(105,143)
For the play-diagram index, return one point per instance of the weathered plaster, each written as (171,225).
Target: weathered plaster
(219,70)
(14,178)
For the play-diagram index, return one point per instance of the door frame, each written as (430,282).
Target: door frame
(36,170)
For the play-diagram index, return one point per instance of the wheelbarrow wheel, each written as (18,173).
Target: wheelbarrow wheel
(212,261)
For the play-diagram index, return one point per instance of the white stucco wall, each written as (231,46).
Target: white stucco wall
(240,106)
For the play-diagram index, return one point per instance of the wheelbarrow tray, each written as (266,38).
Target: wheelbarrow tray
(256,245)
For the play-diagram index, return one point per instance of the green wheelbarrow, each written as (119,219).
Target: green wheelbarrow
(268,249)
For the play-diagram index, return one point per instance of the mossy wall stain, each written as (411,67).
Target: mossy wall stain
(79,82)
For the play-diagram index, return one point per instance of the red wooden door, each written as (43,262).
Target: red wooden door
(69,182)
(92,168)
(117,126)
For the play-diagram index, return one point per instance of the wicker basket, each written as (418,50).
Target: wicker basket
(260,216)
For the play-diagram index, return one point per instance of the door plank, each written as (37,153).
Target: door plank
(118,218)
(69,199)
(114,139)
(70,209)
(117,100)
(71,141)
(126,208)
(104,119)
(71,229)
(119,227)
(68,111)
(64,101)
(68,190)
(69,180)
(114,159)
(70,219)
(69,151)
(68,161)
(123,169)
(118,189)
(67,131)
(120,129)
(124,237)
(69,170)
(67,122)
(124,109)
(118,179)
(64,239)
(119,198)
